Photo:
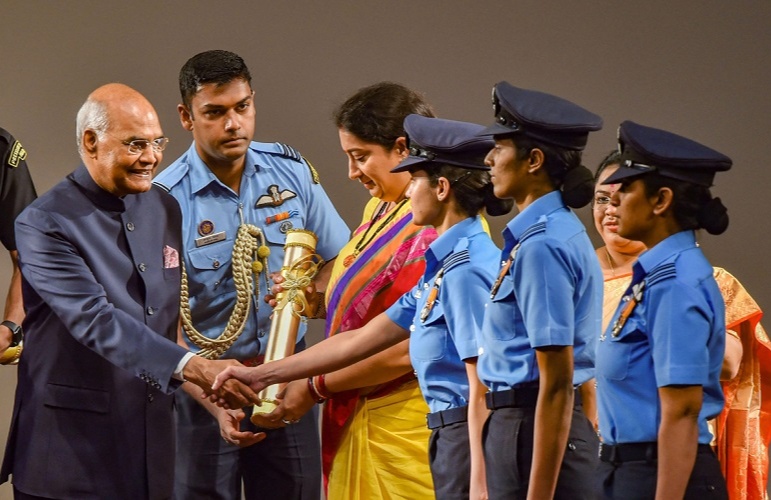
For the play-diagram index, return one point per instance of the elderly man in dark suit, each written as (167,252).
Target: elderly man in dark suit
(101,274)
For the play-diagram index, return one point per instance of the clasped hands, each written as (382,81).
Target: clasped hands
(230,394)
(294,400)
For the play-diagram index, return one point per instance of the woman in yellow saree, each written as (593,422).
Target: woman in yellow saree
(374,430)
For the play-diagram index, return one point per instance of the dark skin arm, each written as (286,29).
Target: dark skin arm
(678,438)
(552,418)
(14,309)
(333,353)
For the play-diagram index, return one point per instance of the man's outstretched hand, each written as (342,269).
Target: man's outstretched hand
(229,393)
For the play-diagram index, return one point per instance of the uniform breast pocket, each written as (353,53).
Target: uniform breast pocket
(429,340)
(616,356)
(212,267)
(502,311)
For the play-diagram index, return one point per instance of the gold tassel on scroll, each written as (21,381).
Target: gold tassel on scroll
(301,264)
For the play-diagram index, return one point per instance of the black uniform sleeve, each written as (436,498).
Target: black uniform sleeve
(16,187)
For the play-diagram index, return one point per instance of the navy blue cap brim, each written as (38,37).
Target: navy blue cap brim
(624,173)
(412,163)
(496,129)
(409,163)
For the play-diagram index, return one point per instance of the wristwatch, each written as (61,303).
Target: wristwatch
(16,333)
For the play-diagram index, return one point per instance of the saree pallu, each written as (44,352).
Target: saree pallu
(386,267)
(743,429)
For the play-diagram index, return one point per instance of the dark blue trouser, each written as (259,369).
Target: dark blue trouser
(635,480)
(508,445)
(450,460)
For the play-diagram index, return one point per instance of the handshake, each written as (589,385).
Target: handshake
(225,382)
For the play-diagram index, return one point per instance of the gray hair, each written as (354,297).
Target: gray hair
(91,116)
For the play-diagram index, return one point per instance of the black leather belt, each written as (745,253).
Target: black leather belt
(520,397)
(636,452)
(447,417)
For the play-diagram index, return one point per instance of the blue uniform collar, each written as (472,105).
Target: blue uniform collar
(449,242)
(96,194)
(201,176)
(664,251)
(541,207)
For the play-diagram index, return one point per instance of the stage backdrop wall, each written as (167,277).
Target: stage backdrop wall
(699,68)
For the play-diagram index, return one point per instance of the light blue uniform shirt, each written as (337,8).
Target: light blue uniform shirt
(206,201)
(550,296)
(674,336)
(448,336)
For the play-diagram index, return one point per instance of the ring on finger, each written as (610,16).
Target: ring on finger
(289,422)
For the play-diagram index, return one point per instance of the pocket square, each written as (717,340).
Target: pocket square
(170,257)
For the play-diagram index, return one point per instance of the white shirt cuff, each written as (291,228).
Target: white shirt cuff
(179,370)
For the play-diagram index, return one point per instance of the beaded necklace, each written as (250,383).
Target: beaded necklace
(367,238)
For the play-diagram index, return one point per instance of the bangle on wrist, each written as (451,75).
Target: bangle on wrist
(314,391)
(321,386)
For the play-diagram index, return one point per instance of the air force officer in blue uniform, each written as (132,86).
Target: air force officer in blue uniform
(542,321)
(658,365)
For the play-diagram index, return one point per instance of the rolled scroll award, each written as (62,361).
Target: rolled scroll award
(301,264)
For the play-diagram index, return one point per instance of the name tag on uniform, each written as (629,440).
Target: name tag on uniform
(209,239)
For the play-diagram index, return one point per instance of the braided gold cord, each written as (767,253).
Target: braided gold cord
(297,277)
(249,244)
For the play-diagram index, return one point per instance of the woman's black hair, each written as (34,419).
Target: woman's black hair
(612,158)
(692,205)
(376,113)
(472,188)
(563,167)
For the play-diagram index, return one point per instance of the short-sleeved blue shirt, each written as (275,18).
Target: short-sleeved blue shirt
(674,336)
(276,181)
(449,333)
(550,296)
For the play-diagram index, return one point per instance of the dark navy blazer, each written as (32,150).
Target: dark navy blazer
(93,407)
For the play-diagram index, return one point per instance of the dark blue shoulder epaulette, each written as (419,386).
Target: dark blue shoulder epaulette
(538,227)
(661,273)
(278,148)
(456,259)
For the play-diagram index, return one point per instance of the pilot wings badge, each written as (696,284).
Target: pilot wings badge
(275,197)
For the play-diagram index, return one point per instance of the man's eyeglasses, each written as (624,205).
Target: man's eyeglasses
(137,146)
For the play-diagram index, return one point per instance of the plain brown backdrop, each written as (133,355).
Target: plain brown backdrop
(698,68)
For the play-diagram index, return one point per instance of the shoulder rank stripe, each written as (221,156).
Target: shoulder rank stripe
(456,259)
(538,227)
(661,273)
(290,152)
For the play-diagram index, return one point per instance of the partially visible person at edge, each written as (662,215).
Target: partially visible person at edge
(16,192)
(659,361)
(743,428)
(367,451)
(100,269)
(227,186)
(541,323)
(442,314)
